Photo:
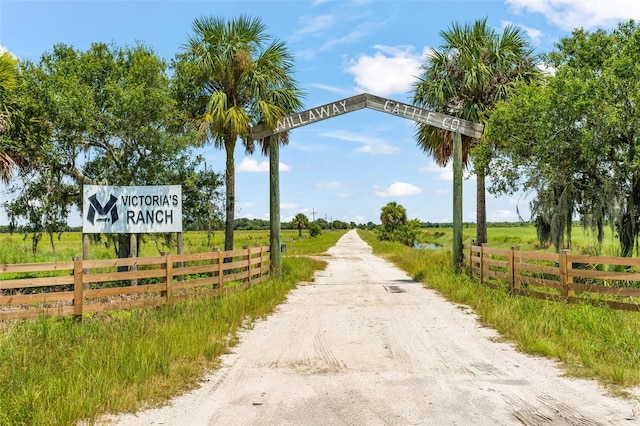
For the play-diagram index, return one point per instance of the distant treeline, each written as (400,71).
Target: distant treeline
(244,224)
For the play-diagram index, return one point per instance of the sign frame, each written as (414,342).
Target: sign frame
(131,209)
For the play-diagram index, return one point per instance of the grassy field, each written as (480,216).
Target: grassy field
(56,371)
(15,248)
(589,341)
(582,241)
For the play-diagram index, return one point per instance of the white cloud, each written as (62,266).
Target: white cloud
(330,185)
(397,189)
(534,34)
(445,173)
(370,144)
(441,173)
(569,14)
(332,89)
(391,69)
(359,31)
(4,49)
(384,149)
(288,206)
(252,166)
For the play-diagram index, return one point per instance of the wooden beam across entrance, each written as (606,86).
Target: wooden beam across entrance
(365,100)
(377,103)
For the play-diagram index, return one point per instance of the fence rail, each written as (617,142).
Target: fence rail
(612,281)
(87,286)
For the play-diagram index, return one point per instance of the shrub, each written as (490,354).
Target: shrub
(314,229)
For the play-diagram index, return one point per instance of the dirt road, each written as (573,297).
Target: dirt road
(366,345)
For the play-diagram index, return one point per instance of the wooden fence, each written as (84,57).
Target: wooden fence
(611,281)
(86,286)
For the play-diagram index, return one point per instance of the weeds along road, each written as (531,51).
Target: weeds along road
(366,345)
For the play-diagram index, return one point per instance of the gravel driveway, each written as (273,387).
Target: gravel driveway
(366,345)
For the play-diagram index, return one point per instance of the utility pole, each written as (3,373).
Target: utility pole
(313,214)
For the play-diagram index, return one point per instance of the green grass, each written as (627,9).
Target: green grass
(590,341)
(14,248)
(316,246)
(524,235)
(56,371)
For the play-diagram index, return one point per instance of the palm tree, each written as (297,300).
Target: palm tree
(242,77)
(8,84)
(21,133)
(300,222)
(393,215)
(473,69)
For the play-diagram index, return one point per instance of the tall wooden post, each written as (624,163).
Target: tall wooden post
(457,202)
(274,207)
(180,248)
(86,242)
(133,252)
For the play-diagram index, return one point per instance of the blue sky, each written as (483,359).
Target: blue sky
(348,167)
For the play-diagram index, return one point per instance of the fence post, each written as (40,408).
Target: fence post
(133,252)
(483,264)
(169,279)
(514,282)
(471,246)
(164,279)
(220,270)
(179,251)
(261,263)
(565,277)
(78,293)
(248,266)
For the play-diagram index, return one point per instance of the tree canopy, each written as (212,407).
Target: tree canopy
(232,76)
(473,68)
(572,139)
(111,118)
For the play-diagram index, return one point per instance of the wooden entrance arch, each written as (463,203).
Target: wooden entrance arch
(354,103)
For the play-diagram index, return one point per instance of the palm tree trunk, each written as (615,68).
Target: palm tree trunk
(481,208)
(230,182)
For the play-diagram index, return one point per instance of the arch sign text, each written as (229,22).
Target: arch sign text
(365,100)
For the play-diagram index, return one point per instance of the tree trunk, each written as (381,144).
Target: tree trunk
(481,208)
(230,181)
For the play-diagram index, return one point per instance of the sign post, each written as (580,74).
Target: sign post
(457,202)
(275,239)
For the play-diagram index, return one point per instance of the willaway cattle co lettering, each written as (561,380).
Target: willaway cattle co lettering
(376,103)
(315,114)
(149,208)
(414,113)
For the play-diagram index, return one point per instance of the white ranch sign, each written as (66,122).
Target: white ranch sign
(131,209)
